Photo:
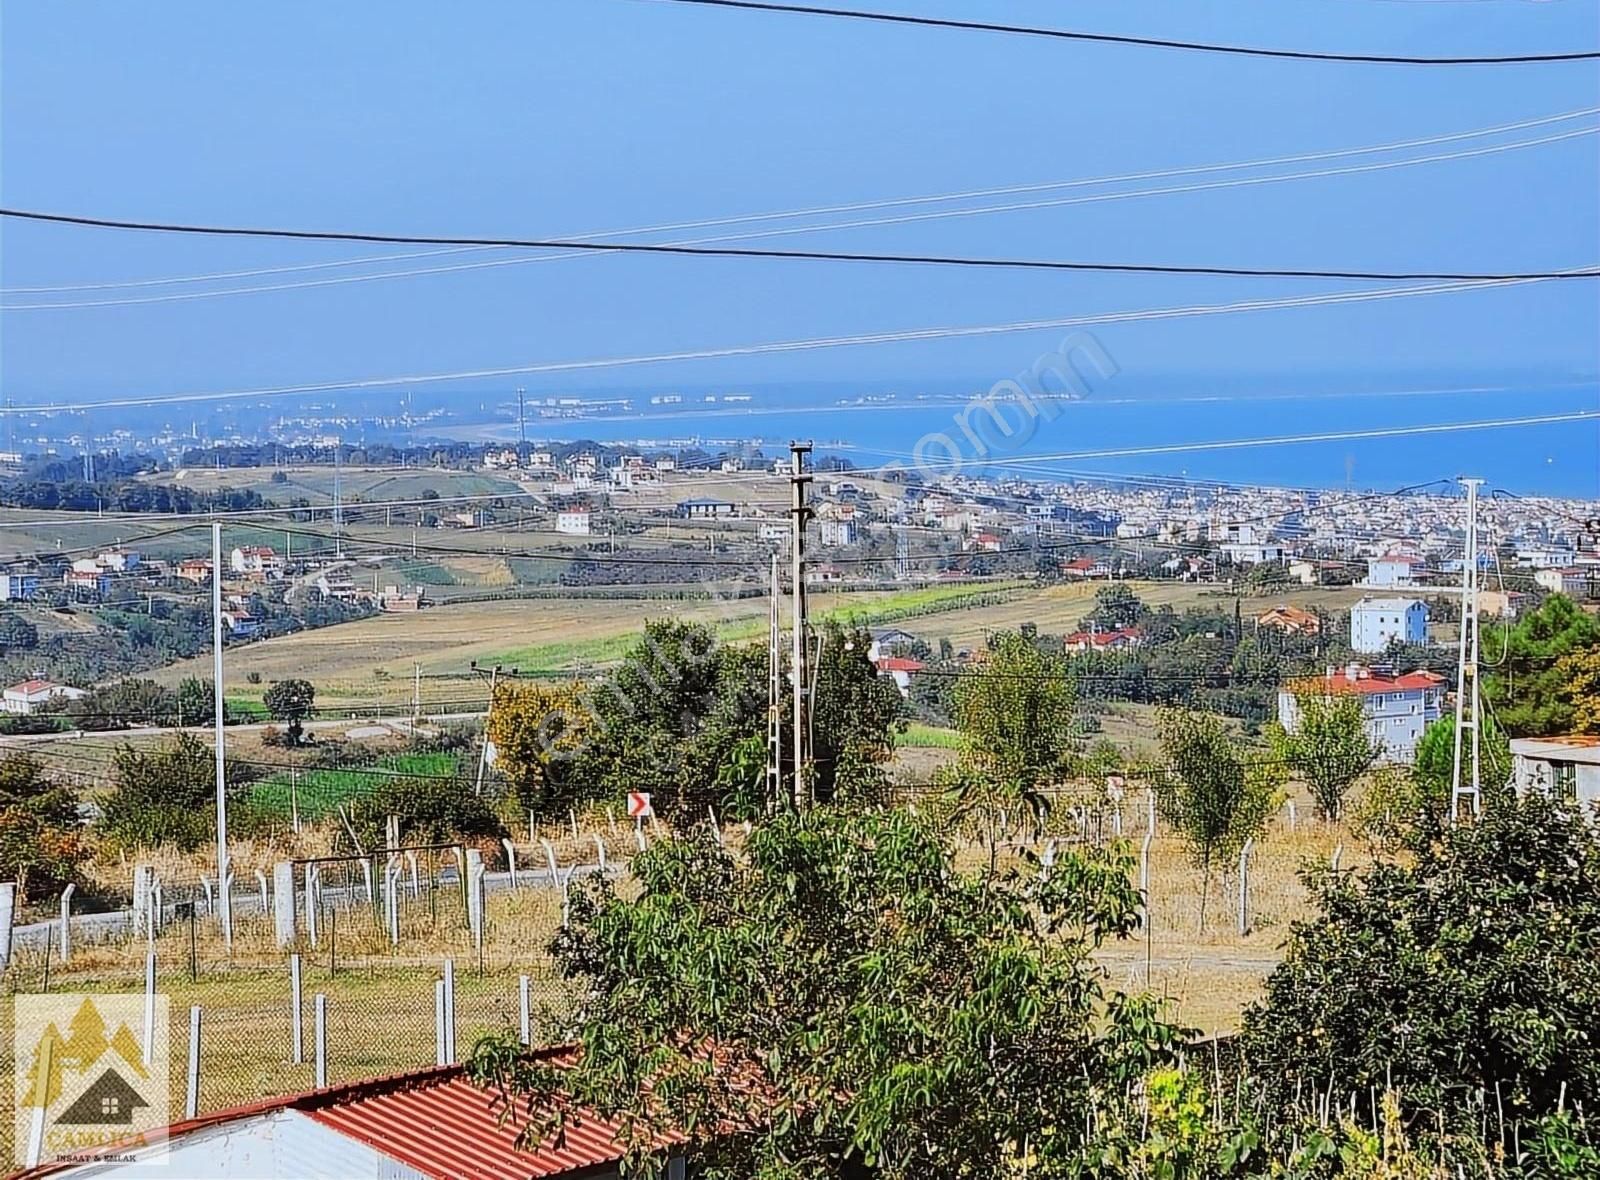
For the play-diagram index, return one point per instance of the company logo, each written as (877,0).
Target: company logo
(91,1079)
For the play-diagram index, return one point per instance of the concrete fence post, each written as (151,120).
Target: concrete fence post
(191,1101)
(65,943)
(297,1054)
(211,897)
(511,860)
(261,888)
(320,1018)
(550,859)
(474,886)
(1244,887)
(147,1050)
(141,897)
(311,904)
(600,851)
(524,1009)
(411,865)
(283,918)
(449,1011)
(440,1056)
(8,912)
(1294,817)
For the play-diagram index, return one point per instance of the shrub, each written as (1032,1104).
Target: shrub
(433,809)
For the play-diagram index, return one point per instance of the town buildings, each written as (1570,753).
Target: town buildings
(1375,623)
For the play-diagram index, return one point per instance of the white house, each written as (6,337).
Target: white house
(840,531)
(573,521)
(1568,767)
(31,694)
(18,587)
(1397,708)
(256,561)
(1393,571)
(1572,580)
(1375,623)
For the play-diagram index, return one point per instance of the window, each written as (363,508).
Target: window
(1565,776)
(110,1105)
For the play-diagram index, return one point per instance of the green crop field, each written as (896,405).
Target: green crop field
(318,793)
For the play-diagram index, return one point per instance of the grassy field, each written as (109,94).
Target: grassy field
(315,484)
(317,793)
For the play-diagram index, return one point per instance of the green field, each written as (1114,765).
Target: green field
(319,792)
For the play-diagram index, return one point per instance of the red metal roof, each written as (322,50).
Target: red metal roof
(899,664)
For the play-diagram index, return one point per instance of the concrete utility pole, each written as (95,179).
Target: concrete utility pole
(801,514)
(1468,704)
(522,427)
(225,910)
(775,691)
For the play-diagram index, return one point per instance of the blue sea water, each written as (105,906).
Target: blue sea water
(1172,433)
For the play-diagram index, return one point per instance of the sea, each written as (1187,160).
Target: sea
(1542,440)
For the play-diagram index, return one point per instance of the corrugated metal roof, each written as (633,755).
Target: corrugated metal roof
(448,1128)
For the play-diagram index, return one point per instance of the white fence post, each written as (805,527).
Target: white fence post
(524,1009)
(474,886)
(1244,887)
(283,901)
(211,898)
(311,904)
(191,1101)
(411,864)
(572,815)
(141,897)
(366,875)
(321,1019)
(296,1017)
(449,1011)
(65,946)
(550,859)
(1293,817)
(261,886)
(8,910)
(1338,852)
(147,1050)
(511,861)
(440,1048)
(391,899)
(600,851)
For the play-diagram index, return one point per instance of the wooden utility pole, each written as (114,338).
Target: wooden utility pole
(801,514)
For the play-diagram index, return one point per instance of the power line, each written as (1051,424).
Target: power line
(1120,39)
(770,348)
(828,227)
(946,260)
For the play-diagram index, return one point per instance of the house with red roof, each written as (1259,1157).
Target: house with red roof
(1097,640)
(1085,567)
(1397,708)
(431,1124)
(901,669)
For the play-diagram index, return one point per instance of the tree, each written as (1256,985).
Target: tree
(538,731)
(1215,797)
(291,701)
(1527,687)
(1579,672)
(432,809)
(1116,606)
(168,795)
(17,632)
(855,713)
(195,703)
(838,999)
(41,836)
(1330,747)
(1464,965)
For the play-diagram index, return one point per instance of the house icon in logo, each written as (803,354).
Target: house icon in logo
(109,1101)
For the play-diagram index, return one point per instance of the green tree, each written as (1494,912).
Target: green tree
(1465,964)
(168,795)
(848,1000)
(855,714)
(1115,606)
(41,836)
(538,731)
(1330,747)
(195,705)
(1207,789)
(17,632)
(1526,686)
(291,701)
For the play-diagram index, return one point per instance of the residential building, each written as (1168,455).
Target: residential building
(1567,767)
(18,587)
(886,639)
(394,600)
(427,1124)
(1291,620)
(1575,581)
(28,696)
(118,561)
(1396,708)
(1375,623)
(86,583)
(574,522)
(839,531)
(900,669)
(240,624)
(984,542)
(1506,604)
(771,531)
(703,508)
(1393,571)
(1086,567)
(1305,571)
(338,586)
(256,561)
(194,569)
(1096,640)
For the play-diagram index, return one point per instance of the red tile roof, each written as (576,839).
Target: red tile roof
(1102,638)
(1368,682)
(899,664)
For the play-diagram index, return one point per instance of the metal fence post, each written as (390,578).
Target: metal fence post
(449,1011)
(322,1039)
(524,1009)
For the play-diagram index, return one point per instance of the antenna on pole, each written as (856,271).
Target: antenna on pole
(1469,705)
(800,515)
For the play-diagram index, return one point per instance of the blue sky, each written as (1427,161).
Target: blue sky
(568,116)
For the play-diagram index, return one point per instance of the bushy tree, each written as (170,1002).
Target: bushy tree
(538,731)
(1211,791)
(1464,965)
(41,837)
(168,795)
(1527,687)
(1116,606)
(855,713)
(837,999)
(17,632)
(1330,748)
(432,809)
(292,701)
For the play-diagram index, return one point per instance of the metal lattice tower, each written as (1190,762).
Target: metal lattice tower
(1469,705)
(775,691)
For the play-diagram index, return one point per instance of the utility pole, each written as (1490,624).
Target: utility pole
(1469,705)
(801,514)
(338,505)
(522,427)
(224,894)
(483,752)
(775,690)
